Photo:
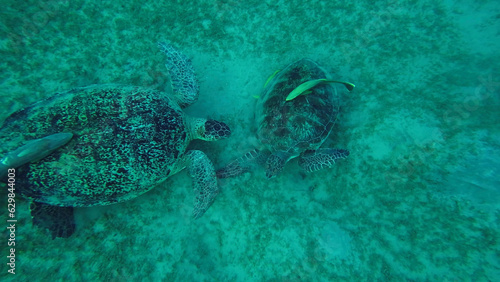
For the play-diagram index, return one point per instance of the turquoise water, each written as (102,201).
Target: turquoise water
(418,198)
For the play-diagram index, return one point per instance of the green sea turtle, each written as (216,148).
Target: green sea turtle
(105,144)
(294,115)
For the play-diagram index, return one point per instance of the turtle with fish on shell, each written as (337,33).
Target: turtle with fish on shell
(294,115)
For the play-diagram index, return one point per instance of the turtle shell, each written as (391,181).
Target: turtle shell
(302,123)
(125,140)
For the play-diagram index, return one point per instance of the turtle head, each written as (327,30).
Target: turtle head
(275,164)
(215,130)
(209,130)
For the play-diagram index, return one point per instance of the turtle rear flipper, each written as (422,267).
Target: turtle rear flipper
(59,220)
(243,164)
(321,158)
(34,150)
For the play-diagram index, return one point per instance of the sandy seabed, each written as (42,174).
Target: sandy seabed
(417,199)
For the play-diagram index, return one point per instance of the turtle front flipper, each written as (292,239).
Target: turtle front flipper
(58,220)
(275,163)
(205,186)
(33,150)
(243,164)
(182,76)
(321,158)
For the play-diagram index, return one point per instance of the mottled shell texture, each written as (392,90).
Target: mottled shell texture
(126,140)
(302,123)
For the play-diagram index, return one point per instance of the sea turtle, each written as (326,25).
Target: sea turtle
(105,144)
(294,115)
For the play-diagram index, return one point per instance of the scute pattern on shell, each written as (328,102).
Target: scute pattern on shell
(302,123)
(126,140)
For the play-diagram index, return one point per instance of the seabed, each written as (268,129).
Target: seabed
(418,199)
